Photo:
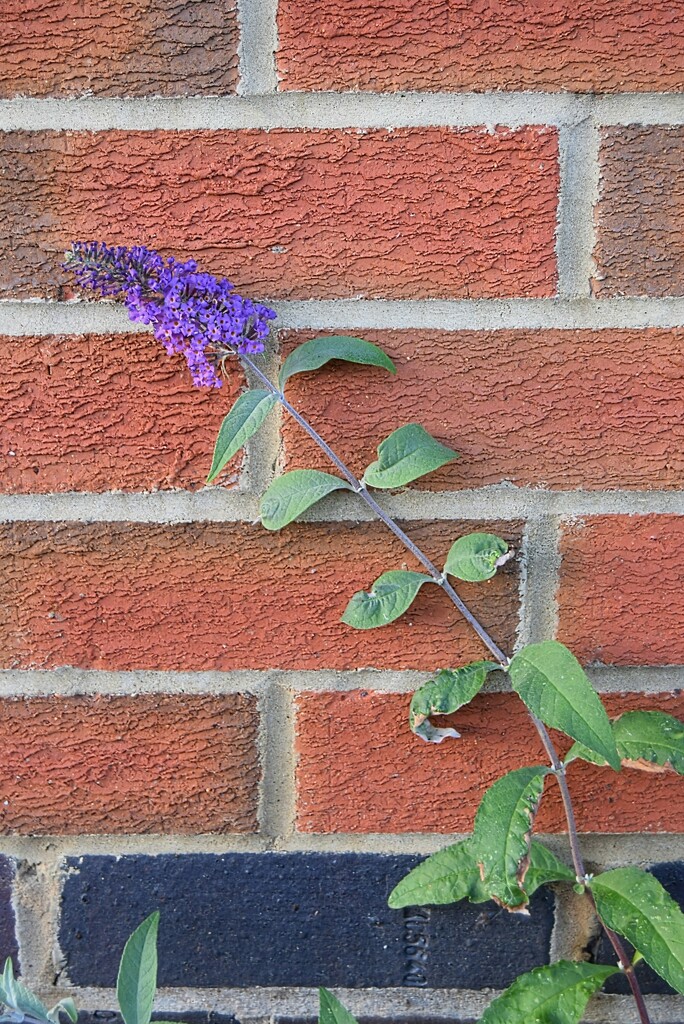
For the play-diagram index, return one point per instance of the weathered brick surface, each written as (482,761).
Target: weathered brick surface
(360,769)
(293,214)
(671,877)
(9,946)
(325,916)
(105,412)
(212,595)
(607,46)
(150,763)
(559,409)
(143,48)
(620,592)
(640,247)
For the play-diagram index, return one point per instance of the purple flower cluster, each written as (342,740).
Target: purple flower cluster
(195,315)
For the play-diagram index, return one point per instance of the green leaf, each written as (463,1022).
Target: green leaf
(633,903)
(446,877)
(17,997)
(554,686)
(447,692)
(408,453)
(137,980)
(649,740)
(291,494)
(331,1010)
(316,353)
(67,1006)
(476,557)
(502,834)
(243,420)
(392,594)
(452,875)
(557,994)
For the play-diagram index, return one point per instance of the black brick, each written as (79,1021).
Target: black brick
(191,1017)
(671,877)
(270,919)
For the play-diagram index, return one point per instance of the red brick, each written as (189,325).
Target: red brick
(227,596)
(640,247)
(360,769)
(621,598)
(561,409)
(293,214)
(604,46)
(151,763)
(142,48)
(105,412)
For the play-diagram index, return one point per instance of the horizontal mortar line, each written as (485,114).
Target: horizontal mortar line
(72,682)
(390,1003)
(602,849)
(223,506)
(36,316)
(338,110)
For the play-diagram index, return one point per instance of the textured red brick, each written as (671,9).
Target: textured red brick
(152,763)
(141,48)
(541,408)
(231,595)
(293,214)
(621,598)
(360,769)
(604,46)
(640,246)
(105,412)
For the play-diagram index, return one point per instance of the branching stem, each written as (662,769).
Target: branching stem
(492,646)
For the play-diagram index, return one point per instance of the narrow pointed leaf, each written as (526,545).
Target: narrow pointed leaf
(502,834)
(447,692)
(392,594)
(408,453)
(26,1002)
(137,980)
(633,903)
(331,1010)
(452,875)
(243,420)
(648,740)
(67,1006)
(476,557)
(555,688)
(545,867)
(293,493)
(316,353)
(557,994)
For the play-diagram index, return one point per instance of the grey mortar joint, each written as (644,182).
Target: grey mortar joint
(254,1006)
(277,799)
(36,899)
(539,579)
(263,450)
(37,317)
(257,20)
(220,505)
(261,107)
(579,184)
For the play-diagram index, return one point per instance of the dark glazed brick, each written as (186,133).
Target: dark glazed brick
(671,876)
(8,938)
(325,916)
(112,1017)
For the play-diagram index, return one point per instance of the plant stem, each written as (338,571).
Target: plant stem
(492,646)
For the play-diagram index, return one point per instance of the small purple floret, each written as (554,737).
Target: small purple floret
(195,315)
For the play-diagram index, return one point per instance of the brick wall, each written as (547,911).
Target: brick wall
(494,193)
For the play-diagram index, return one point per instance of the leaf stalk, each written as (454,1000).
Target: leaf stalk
(558,768)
